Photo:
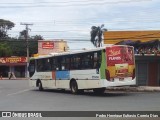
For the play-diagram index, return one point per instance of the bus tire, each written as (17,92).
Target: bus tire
(99,90)
(74,87)
(40,87)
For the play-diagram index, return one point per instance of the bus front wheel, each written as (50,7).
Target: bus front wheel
(74,87)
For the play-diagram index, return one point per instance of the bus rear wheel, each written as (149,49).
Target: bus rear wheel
(74,87)
(99,90)
(40,87)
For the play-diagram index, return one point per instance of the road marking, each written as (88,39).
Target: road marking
(19,92)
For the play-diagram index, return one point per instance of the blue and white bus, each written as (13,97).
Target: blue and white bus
(82,70)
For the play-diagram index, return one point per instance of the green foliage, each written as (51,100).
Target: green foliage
(33,47)
(5,25)
(96,35)
(5,50)
(16,47)
(19,47)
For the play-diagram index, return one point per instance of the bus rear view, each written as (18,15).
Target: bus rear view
(120,66)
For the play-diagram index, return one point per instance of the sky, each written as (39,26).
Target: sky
(71,20)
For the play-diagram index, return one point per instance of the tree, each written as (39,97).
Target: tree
(5,25)
(5,50)
(17,47)
(96,35)
(23,34)
(33,44)
(37,37)
(13,46)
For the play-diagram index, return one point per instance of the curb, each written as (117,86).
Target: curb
(135,89)
(148,89)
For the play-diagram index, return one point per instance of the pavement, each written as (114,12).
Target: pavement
(123,88)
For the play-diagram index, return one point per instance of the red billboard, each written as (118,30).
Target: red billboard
(119,55)
(48,45)
(13,60)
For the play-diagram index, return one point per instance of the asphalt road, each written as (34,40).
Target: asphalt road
(15,95)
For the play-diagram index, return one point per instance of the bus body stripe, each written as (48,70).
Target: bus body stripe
(62,75)
(103,66)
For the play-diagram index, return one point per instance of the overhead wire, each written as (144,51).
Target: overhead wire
(133,37)
(71,4)
(64,23)
(145,20)
(42,2)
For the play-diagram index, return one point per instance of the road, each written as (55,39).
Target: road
(15,95)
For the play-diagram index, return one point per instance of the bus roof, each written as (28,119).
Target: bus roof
(74,52)
(68,53)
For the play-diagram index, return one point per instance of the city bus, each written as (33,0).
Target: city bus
(94,69)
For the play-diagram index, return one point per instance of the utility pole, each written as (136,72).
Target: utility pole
(27,45)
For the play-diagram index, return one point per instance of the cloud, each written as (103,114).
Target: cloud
(69,19)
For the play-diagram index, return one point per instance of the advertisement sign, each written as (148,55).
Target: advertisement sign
(13,59)
(48,45)
(120,61)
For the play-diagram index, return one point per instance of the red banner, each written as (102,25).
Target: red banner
(13,60)
(119,55)
(113,55)
(47,45)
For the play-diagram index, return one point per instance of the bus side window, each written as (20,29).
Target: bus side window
(63,62)
(56,63)
(39,65)
(72,63)
(75,62)
(68,63)
(87,61)
(47,65)
(59,63)
(97,60)
(43,65)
